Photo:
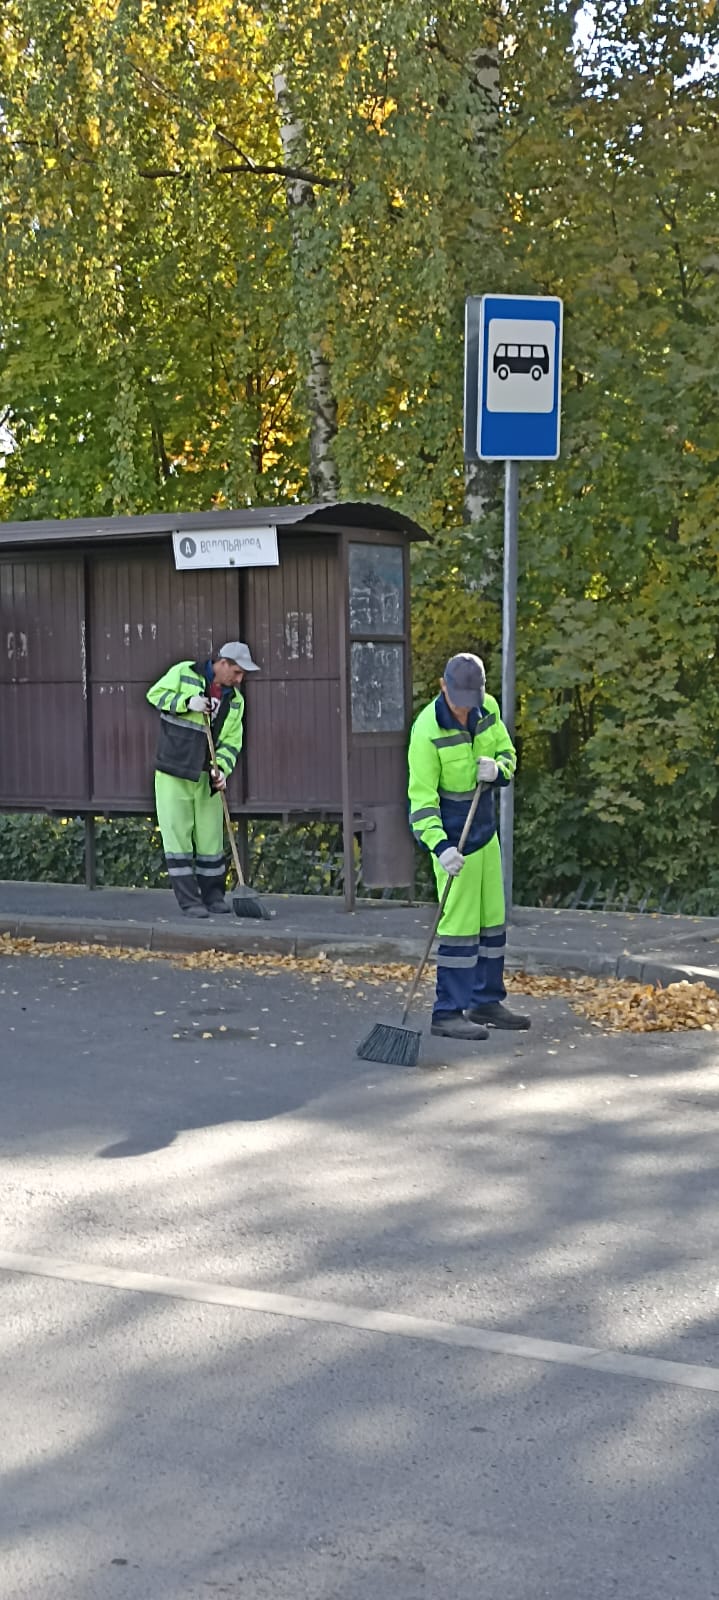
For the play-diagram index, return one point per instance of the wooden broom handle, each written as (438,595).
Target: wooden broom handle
(471,814)
(225,807)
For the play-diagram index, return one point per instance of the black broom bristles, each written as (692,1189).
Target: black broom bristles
(245,903)
(397,1047)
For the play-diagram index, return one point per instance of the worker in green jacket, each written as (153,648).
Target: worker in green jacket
(187,787)
(456,742)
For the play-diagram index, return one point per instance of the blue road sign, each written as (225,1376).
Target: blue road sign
(519,379)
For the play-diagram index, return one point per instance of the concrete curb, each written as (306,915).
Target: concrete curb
(257,939)
(589,964)
(240,939)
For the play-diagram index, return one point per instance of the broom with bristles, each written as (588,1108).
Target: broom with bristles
(245,901)
(399,1047)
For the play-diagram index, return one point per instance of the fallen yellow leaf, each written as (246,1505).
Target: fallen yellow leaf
(607,1003)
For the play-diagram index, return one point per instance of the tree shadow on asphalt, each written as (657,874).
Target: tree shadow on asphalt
(164,1051)
(212,1454)
(532,1192)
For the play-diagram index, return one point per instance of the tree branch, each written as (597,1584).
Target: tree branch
(670,216)
(249,169)
(249,165)
(255,170)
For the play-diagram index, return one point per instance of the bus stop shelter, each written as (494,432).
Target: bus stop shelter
(93,610)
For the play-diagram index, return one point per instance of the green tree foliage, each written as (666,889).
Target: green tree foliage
(165,302)
(184,251)
(146,262)
(619,617)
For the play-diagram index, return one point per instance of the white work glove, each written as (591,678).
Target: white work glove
(218,780)
(487,770)
(198,702)
(451,860)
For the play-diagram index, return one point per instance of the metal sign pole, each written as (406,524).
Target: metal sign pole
(509,634)
(512,413)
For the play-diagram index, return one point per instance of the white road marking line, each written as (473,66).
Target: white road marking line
(395,1324)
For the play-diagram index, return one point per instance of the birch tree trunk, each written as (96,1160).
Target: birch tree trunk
(483,98)
(322,405)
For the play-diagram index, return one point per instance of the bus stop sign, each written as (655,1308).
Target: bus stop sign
(519,360)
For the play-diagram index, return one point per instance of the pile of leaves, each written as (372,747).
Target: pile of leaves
(641,1008)
(621,1006)
(611,1004)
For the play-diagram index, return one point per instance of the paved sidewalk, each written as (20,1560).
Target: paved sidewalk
(648,948)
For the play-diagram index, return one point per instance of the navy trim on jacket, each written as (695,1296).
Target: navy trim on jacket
(205,669)
(454,812)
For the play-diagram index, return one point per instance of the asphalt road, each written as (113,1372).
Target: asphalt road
(269,1406)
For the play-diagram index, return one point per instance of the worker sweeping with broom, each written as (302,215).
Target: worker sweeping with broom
(458,743)
(201,715)
(459,753)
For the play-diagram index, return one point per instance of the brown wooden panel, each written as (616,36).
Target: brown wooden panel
(292,743)
(291,611)
(144,615)
(124,739)
(42,744)
(378,773)
(43,759)
(41,620)
(324,605)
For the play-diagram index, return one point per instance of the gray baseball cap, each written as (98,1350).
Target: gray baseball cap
(240,654)
(466,681)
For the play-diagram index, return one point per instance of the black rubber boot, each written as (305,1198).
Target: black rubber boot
(497,1016)
(458,1027)
(196,909)
(219,907)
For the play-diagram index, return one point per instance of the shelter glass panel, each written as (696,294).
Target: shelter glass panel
(377,672)
(376,585)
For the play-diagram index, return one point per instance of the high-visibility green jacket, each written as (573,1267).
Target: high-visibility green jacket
(182,750)
(443,760)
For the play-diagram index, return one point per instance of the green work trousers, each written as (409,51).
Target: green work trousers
(190,818)
(472,935)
